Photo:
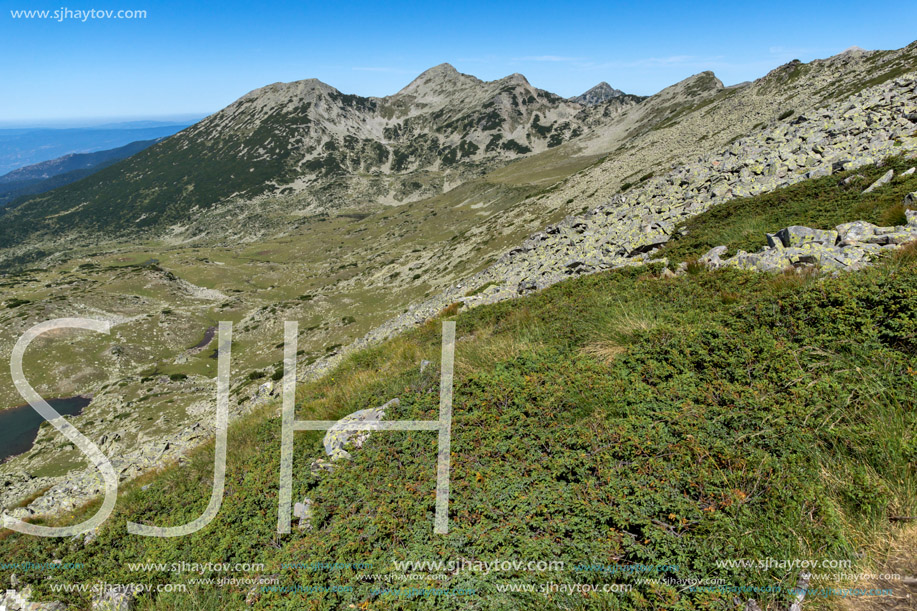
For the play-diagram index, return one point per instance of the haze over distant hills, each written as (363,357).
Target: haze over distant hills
(47,175)
(24,146)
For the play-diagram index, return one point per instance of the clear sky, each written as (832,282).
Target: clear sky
(194,56)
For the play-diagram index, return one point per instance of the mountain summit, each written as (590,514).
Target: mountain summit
(598,94)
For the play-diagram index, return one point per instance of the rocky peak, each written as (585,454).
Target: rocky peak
(437,81)
(700,85)
(598,94)
(516,78)
(284,92)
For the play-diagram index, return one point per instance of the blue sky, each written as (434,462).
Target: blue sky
(194,57)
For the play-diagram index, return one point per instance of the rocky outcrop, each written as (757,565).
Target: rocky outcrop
(848,247)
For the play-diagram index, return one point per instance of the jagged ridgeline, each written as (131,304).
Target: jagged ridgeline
(308,136)
(288,152)
(305,148)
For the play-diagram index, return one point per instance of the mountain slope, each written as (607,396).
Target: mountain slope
(627,342)
(613,420)
(289,151)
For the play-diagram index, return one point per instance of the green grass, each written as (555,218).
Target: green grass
(615,418)
(820,203)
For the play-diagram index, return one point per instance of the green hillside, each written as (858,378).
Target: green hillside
(624,418)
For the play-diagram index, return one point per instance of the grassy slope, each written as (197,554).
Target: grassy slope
(325,273)
(616,418)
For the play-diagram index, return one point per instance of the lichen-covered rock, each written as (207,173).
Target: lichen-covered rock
(857,231)
(712,256)
(882,181)
(115,599)
(859,242)
(796,235)
(336,437)
(303,511)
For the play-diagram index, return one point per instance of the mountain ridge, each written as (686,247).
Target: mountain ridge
(308,138)
(324,152)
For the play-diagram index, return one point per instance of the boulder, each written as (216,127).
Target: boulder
(773,241)
(712,258)
(903,236)
(852,179)
(857,231)
(115,599)
(910,199)
(882,181)
(336,437)
(303,511)
(796,235)
(824,170)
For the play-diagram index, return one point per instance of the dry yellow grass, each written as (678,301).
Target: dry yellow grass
(895,556)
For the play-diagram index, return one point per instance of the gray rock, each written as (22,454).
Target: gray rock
(882,181)
(910,199)
(852,179)
(857,231)
(796,235)
(712,257)
(773,241)
(303,511)
(115,599)
(336,437)
(905,235)
(824,170)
